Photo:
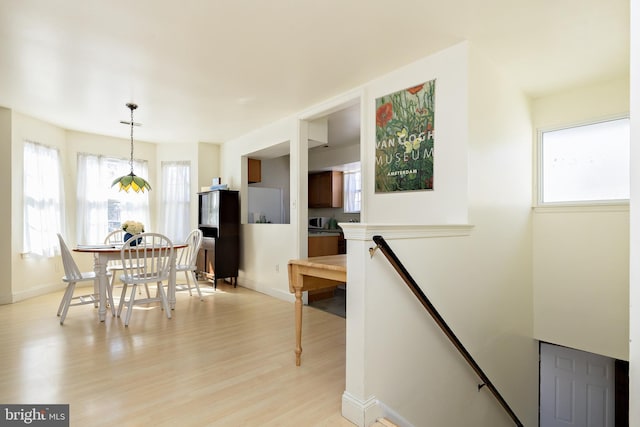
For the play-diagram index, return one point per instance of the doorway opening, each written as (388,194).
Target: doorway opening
(331,194)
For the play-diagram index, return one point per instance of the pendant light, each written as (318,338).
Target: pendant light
(132,181)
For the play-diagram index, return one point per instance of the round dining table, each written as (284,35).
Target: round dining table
(103,253)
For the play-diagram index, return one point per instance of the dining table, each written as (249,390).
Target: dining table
(103,253)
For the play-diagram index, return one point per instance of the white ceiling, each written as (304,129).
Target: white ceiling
(211,70)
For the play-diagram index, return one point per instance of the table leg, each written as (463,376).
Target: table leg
(298,308)
(171,289)
(100,268)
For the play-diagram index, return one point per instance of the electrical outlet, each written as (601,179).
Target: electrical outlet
(277,268)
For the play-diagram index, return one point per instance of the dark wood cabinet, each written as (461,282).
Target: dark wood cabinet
(323,245)
(219,220)
(254,170)
(325,189)
(326,245)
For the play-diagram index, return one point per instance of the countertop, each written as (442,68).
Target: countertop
(324,232)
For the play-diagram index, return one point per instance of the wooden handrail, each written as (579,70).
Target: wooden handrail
(402,271)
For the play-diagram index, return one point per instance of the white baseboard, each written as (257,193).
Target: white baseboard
(35,292)
(393,416)
(361,413)
(272,292)
(365,413)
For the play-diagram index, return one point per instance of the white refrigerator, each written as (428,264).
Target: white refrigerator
(265,205)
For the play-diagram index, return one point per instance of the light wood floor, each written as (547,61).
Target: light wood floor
(225,361)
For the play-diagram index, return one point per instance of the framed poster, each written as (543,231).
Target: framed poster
(404,139)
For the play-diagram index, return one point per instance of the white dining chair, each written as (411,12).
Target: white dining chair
(149,261)
(186,261)
(72,276)
(116,238)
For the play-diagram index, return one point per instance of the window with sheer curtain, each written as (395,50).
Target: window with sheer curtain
(102,208)
(352,191)
(176,200)
(43,206)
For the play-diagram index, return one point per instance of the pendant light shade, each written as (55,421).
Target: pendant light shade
(131,181)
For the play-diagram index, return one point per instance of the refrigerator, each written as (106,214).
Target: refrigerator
(265,205)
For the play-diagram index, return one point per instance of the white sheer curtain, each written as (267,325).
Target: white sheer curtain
(43,199)
(176,200)
(102,208)
(352,191)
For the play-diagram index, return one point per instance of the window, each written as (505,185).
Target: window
(585,164)
(43,199)
(102,208)
(352,191)
(176,200)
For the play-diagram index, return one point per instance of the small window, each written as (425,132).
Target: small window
(585,164)
(352,191)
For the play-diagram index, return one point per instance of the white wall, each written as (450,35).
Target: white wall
(323,159)
(266,248)
(208,163)
(634,347)
(449,203)
(581,256)
(6,171)
(398,362)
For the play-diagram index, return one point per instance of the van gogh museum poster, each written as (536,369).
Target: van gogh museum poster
(404,139)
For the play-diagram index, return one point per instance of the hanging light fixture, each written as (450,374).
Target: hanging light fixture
(132,181)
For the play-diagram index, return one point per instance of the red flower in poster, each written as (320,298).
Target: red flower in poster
(384,114)
(415,89)
(429,182)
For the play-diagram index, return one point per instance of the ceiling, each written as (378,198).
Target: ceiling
(212,70)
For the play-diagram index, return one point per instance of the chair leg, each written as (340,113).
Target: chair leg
(122,299)
(64,300)
(68,295)
(186,275)
(163,297)
(130,305)
(195,281)
(110,299)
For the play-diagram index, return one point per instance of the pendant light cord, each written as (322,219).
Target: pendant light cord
(132,107)
(131,159)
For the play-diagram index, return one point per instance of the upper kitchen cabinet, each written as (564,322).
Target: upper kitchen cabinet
(325,189)
(254,170)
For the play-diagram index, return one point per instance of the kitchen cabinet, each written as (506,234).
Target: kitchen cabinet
(325,189)
(320,245)
(323,245)
(254,170)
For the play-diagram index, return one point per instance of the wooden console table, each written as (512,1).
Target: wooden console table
(310,274)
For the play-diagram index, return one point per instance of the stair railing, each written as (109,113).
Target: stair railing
(411,283)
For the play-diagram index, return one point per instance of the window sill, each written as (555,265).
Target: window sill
(582,207)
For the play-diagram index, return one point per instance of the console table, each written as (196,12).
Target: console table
(310,274)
